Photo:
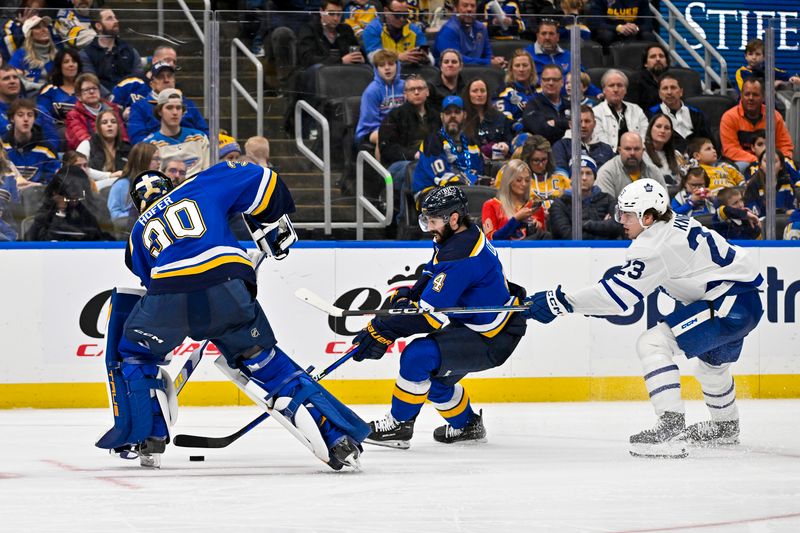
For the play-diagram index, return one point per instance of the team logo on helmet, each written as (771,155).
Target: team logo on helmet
(648,187)
(148,187)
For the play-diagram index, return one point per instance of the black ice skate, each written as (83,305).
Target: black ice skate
(661,441)
(710,433)
(391,433)
(345,452)
(150,452)
(473,431)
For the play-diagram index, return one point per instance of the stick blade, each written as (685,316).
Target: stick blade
(196,441)
(314,300)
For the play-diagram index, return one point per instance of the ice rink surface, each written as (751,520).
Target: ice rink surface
(546,467)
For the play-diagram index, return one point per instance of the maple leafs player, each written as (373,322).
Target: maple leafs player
(718,284)
(201,284)
(464,272)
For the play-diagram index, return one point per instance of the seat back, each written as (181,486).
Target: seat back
(494,77)
(689,80)
(340,81)
(596,73)
(477,195)
(713,107)
(25,228)
(628,55)
(506,47)
(592,54)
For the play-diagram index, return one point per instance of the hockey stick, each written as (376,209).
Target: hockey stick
(197,441)
(188,368)
(315,301)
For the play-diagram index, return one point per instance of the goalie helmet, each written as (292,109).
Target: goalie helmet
(641,195)
(148,187)
(443,202)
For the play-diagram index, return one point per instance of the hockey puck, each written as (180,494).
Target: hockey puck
(197,457)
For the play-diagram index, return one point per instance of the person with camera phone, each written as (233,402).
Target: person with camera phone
(514,214)
(398,34)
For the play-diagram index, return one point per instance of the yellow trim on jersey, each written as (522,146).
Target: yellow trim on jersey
(205,267)
(432,321)
(478,245)
(458,409)
(408,397)
(44,150)
(128,81)
(267,195)
(492,332)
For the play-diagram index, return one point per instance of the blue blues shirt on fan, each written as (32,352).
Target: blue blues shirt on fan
(129,91)
(55,102)
(35,159)
(443,162)
(183,242)
(142,122)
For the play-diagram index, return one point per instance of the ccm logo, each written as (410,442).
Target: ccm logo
(689,323)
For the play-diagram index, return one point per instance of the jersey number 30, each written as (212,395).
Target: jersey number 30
(180,220)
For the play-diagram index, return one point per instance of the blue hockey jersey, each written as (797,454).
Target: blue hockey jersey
(129,91)
(55,102)
(183,242)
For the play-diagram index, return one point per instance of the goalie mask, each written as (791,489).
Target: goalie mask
(639,196)
(148,187)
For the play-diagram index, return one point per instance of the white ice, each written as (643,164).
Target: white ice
(546,467)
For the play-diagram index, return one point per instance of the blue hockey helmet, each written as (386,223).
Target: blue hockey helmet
(148,187)
(443,202)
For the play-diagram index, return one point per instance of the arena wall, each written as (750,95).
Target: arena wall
(55,303)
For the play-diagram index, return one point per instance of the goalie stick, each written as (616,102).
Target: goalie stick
(314,300)
(198,441)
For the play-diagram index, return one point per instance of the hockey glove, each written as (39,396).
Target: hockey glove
(545,306)
(373,341)
(402,297)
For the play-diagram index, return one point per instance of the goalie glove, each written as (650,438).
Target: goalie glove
(545,306)
(272,238)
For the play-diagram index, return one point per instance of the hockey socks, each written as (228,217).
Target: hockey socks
(452,403)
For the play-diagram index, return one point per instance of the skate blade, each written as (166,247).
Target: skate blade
(715,443)
(398,444)
(468,442)
(665,450)
(150,461)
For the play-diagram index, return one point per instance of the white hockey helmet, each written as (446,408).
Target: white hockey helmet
(641,195)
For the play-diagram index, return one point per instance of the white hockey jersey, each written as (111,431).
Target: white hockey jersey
(690,262)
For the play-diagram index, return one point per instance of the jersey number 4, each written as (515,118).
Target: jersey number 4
(697,233)
(180,220)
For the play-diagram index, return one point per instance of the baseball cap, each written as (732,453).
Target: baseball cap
(160,67)
(452,100)
(167,94)
(34,21)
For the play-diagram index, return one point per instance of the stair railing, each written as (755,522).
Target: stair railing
(237,89)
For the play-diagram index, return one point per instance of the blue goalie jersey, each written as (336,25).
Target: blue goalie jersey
(182,243)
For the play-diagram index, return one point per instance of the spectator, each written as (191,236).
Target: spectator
(547,113)
(597,209)
(447,156)
(26,146)
(326,40)
(547,183)
(74,26)
(172,139)
(257,149)
(383,94)
(687,121)
(574,8)
(792,230)
(132,89)
(108,57)
(405,127)
(621,21)
(10,88)
(12,35)
(484,123)
(720,174)
(659,149)
(754,56)
(759,146)
(397,34)
(586,85)
(143,122)
(358,14)
(694,198)
(81,121)
(175,169)
(120,206)
(450,82)
(229,149)
(512,214)
(58,97)
(507,25)
(644,90)
(71,210)
(627,167)
(467,35)
(739,123)
(546,51)
(106,151)
(614,115)
(9,195)
(732,219)
(785,193)
(34,60)
(521,82)
(599,151)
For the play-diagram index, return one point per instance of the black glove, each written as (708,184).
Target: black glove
(373,341)
(402,297)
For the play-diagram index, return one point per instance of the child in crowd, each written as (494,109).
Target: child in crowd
(694,197)
(383,94)
(720,174)
(586,81)
(359,13)
(754,56)
(758,147)
(733,220)
(754,194)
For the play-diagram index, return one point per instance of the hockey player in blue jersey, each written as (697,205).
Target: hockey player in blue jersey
(201,283)
(464,271)
(717,284)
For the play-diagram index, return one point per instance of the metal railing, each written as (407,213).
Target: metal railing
(362,202)
(238,89)
(323,164)
(201,34)
(674,18)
